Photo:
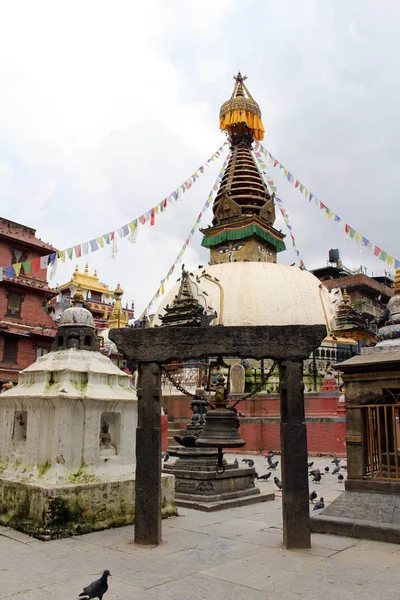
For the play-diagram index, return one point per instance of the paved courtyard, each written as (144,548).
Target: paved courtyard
(230,554)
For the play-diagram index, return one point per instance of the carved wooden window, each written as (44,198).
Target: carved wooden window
(10,350)
(41,352)
(14,301)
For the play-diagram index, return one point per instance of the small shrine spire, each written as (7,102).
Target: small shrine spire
(241,115)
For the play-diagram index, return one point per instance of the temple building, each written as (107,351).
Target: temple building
(26,330)
(244,210)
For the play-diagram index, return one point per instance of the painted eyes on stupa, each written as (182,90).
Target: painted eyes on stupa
(234,248)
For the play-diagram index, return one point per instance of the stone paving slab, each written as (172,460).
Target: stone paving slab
(231,555)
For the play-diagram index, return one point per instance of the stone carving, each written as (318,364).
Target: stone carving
(105,435)
(237,378)
(199,406)
(205,486)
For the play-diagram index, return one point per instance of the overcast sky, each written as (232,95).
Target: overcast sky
(106,107)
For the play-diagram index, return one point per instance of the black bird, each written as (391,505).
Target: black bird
(273,465)
(265,477)
(336,470)
(246,460)
(250,463)
(320,504)
(278,483)
(317,478)
(336,461)
(315,472)
(97,588)
(340,477)
(313,496)
(326,469)
(166,457)
(310,464)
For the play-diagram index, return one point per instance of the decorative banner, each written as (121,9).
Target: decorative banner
(210,200)
(259,151)
(272,186)
(129,230)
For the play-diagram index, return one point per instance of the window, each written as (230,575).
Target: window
(10,350)
(18,256)
(14,301)
(41,352)
(95,296)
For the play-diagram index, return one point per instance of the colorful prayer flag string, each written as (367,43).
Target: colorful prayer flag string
(272,186)
(209,201)
(128,230)
(349,231)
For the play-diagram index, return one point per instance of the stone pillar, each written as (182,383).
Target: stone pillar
(148,456)
(295,496)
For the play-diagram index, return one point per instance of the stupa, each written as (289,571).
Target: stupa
(67,439)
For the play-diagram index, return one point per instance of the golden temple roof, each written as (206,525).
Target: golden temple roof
(86,282)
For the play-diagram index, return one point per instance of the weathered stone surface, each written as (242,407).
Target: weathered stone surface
(237,378)
(57,511)
(165,344)
(295,501)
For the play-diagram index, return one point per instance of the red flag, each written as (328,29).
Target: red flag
(297,183)
(276,162)
(321,205)
(152,218)
(35,264)
(142,219)
(347,229)
(377,251)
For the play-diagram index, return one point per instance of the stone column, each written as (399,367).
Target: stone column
(148,456)
(295,496)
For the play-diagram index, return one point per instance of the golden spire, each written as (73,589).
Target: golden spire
(78,297)
(345,296)
(76,269)
(86,268)
(241,115)
(118,317)
(397,281)
(95,273)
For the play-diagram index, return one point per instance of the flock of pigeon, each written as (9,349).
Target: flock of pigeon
(315,473)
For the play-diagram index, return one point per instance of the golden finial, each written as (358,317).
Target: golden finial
(78,297)
(118,292)
(345,296)
(86,268)
(241,110)
(95,273)
(76,269)
(397,281)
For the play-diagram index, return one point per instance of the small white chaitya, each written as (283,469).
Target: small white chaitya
(67,438)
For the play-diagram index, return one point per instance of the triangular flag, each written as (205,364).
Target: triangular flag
(100,241)
(9,271)
(27,266)
(321,205)
(93,246)
(383,255)
(17,268)
(390,260)
(61,254)
(357,237)
(352,232)
(106,237)
(69,253)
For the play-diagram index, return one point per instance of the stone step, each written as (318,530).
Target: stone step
(232,503)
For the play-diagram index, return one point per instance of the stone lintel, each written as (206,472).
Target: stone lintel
(164,345)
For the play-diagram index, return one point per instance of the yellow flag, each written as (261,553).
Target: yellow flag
(17,268)
(100,241)
(61,255)
(357,237)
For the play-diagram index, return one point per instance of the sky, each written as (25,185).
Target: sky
(106,107)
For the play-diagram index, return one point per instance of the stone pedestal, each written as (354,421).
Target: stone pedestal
(199,486)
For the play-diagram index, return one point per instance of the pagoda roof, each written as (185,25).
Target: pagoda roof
(86,282)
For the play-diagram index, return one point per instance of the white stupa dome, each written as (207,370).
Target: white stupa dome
(257,293)
(76,315)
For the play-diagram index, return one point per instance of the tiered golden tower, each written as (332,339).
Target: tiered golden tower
(244,210)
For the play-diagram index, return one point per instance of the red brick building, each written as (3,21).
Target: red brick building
(26,330)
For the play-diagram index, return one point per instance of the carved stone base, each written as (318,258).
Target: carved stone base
(198,485)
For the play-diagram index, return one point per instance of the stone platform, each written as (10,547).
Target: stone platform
(198,485)
(53,511)
(369,515)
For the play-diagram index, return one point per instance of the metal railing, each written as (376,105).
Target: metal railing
(380,441)
(189,375)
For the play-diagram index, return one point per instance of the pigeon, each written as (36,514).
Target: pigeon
(236,462)
(245,460)
(340,477)
(278,483)
(273,465)
(326,469)
(315,472)
(344,467)
(310,464)
(336,461)
(317,478)
(320,504)
(97,588)
(336,470)
(166,457)
(313,496)
(250,463)
(265,477)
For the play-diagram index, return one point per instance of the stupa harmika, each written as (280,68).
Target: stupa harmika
(67,439)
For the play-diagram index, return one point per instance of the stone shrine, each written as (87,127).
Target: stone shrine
(370,504)
(67,439)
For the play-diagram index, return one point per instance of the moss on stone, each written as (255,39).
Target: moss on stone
(42,469)
(3,466)
(81,476)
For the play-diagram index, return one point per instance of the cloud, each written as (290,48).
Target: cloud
(106,108)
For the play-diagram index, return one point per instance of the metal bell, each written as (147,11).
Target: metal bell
(222,423)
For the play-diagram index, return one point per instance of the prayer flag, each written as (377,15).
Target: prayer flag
(78,251)
(35,264)
(17,268)
(27,266)
(377,251)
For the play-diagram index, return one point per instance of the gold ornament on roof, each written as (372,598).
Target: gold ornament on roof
(78,297)
(241,109)
(397,281)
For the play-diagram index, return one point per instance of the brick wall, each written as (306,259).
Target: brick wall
(260,424)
